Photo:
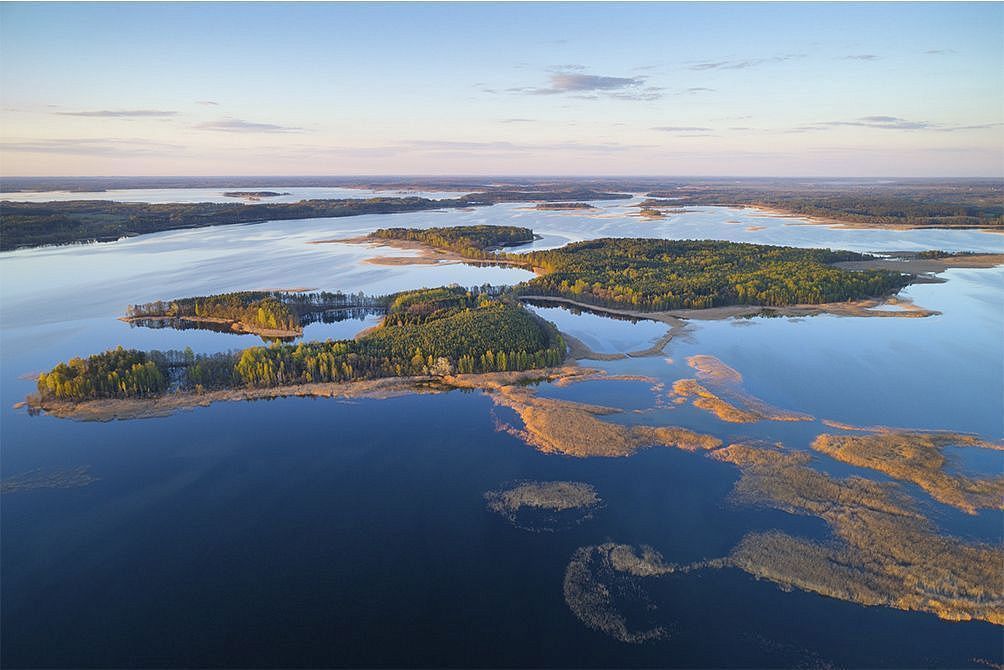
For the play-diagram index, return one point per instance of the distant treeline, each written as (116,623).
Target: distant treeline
(31,224)
(918,209)
(429,331)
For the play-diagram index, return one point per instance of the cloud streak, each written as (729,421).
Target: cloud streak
(592,86)
(743,63)
(89,147)
(242,126)
(121,113)
(682,129)
(882,122)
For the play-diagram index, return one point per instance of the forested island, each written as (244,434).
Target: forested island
(477,242)
(31,224)
(253,195)
(653,274)
(440,331)
(563,206)
(271,314)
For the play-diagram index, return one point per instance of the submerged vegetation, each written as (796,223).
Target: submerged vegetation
(544,506)
(427,332)
(918,457)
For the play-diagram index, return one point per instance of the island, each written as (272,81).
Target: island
(253,195)
(655,275)
(274,315)
(426,332)
(563,206)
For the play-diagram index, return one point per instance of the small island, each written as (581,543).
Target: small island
(658,209)
(253,195)
(274,315)
(563,206)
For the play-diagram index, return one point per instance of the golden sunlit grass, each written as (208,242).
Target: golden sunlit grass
(884,552)
(718,390)
(917,457)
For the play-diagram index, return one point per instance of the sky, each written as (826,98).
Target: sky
(717,89)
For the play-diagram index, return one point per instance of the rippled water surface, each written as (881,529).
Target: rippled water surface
(314,532)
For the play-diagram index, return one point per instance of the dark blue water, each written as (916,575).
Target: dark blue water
(315,533)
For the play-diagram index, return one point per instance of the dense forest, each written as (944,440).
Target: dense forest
(657,274)
(428,331)
(469,241)
(32,224)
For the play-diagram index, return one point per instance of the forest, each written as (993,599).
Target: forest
(655,274)
(469,241)
(427,332)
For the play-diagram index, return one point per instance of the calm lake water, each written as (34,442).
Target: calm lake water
(310,532)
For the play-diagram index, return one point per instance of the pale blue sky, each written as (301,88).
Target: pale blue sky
(896,89)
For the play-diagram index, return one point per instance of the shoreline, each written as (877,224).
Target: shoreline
(110,409)
(860,308)
(238,327)
(425,254)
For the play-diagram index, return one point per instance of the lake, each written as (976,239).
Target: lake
(315,532)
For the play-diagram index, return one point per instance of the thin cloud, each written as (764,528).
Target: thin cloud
(212,103)
(121,113)
(592,87)
(744,63)
(90,147)
(940,52)
(862,57)
(512,147)
(517,120)
(682,129)
(698,89)
(242,126)
(882,122)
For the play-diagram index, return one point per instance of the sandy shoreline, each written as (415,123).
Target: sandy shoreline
(424,254)
(109,409)
(678,317)
(914,265)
